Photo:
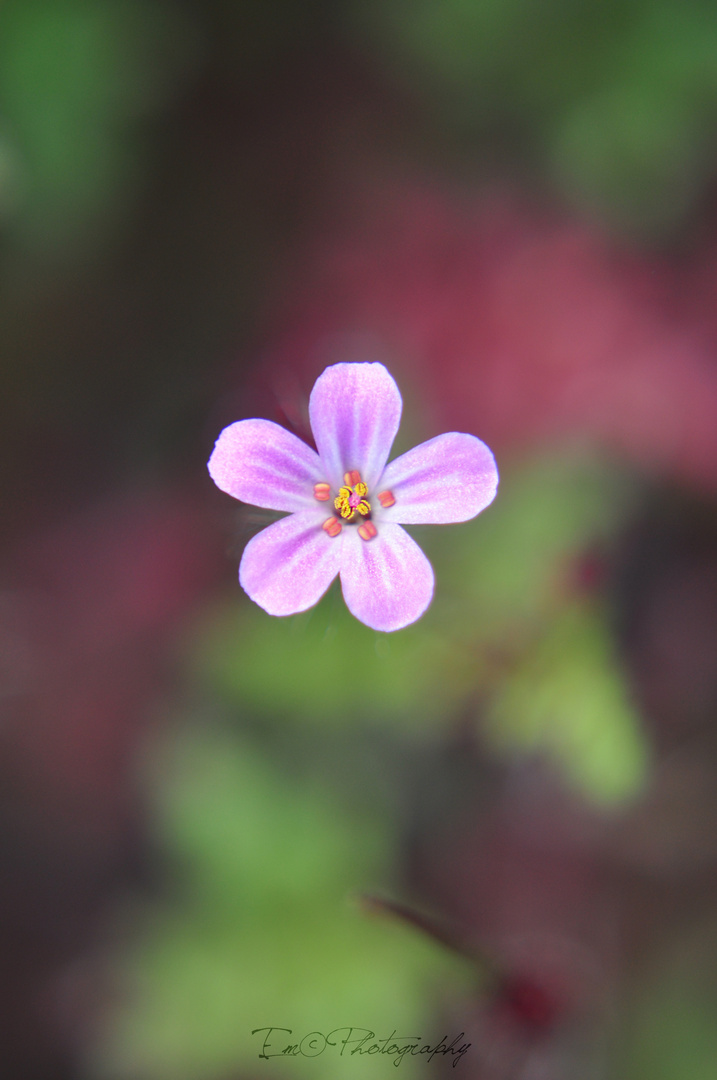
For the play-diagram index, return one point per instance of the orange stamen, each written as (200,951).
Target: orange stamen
(352,478)
(332,526)
(367,531)
(322,492)
(386,499)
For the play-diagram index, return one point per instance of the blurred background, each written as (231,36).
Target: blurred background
(513,206)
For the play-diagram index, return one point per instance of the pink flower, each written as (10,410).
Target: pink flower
(346,505)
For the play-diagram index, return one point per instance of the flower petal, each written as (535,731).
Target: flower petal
(450,478)
(387,582)
(263,464)
(355,410)
(289,566)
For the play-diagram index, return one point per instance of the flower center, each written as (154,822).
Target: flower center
(351,498)
(351,505)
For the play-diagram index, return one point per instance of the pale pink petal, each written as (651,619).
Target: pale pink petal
(355,410)
(289,566)
(387,582)
(263,464)
(450,478)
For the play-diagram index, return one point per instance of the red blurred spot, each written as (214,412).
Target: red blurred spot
(527,1002)
(523,327)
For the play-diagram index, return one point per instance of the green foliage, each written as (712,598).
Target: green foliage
(509,568)
(325,667)
(616,101)
(670,1031)
(76,77)
(260,932)
(562,691)
(567,695)
(266,850)
(504,627)
(640,147)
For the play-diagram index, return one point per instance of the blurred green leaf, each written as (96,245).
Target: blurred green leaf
(616,102)
(325,667)
(75,78)
(568,697)
(670,1031)
(505,626)
(641,147)
(508,568)
(261,933)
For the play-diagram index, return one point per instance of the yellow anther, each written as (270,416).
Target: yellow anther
(386,499)
(322,492)
(332,526)
(351,499)
(367,530)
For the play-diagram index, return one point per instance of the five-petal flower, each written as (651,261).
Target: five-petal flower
(345,505)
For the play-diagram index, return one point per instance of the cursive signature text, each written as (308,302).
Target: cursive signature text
(354,1040)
